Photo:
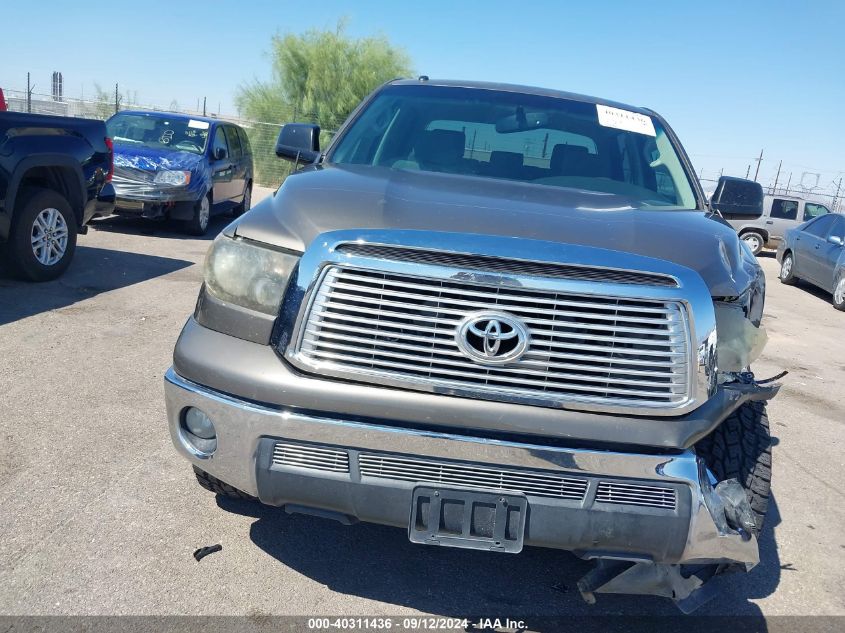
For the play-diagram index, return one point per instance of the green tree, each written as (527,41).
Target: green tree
(319,77)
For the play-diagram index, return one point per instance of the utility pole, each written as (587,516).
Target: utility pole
(203,106)
(775,188)
(788,182)
(116,100)
(759,160)
(747,172)
(28,95)
(836,195)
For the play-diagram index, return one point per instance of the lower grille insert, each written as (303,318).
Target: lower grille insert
(635,494)
(528,482)
(309,456)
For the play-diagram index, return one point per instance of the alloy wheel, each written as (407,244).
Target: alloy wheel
(786,267)
(753,241)
(839,292)
(49,237)
(203,213)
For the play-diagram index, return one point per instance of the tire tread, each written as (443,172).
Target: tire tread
(741,448)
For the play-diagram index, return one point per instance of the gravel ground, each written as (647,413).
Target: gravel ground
(100,515)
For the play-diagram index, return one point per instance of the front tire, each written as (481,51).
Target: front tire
(42,239)
(787,270)
(754,240)
(839,292)
(198,225)
(741,448)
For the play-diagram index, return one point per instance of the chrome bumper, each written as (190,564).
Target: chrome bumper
(244,428)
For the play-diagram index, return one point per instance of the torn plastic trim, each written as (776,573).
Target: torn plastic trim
(740,342)
(690,586)
(721,539)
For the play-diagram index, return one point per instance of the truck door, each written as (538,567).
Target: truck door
(782,216)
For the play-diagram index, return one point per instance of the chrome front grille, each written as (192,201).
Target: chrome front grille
(310,456)
(399,329)
(533,483)
(635,494)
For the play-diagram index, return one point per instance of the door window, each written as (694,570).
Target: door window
(821,226)
(838,229)
(219,141)
(784,209)
(245,142)
(234,142)
(813,210)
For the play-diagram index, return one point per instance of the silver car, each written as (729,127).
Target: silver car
(814,252)
(780,213)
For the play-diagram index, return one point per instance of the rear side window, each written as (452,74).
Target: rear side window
(234,141)
(821,226)
(812,210)
(784,209)
(245,142)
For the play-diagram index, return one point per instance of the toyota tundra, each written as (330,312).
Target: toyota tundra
(492,316)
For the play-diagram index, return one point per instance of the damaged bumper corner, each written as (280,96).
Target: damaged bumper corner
(721,539)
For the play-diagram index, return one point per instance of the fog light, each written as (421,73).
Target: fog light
(197,433)
(199,424)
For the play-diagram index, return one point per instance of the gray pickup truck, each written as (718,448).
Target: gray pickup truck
(779,214)
(492,316)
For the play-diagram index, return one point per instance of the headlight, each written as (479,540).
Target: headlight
(246,274)
(173,178)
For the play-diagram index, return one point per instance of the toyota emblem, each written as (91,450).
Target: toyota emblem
(492,337)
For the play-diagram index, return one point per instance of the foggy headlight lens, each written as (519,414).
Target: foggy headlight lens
(174,178)
(246,274)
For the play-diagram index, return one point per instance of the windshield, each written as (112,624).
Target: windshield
(159,131)
(514,136)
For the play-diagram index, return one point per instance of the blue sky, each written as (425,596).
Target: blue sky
(731,78)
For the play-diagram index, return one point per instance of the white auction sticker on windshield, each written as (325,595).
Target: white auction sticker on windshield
(625,120)
(200,125)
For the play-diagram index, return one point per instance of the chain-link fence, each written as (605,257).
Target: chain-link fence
(270,170)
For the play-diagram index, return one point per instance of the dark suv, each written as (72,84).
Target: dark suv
(180,167)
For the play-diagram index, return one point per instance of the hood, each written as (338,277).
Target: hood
(151,159)
(327,198)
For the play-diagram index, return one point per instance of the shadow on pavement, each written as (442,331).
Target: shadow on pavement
(379,563)
(93,271)
(168,229)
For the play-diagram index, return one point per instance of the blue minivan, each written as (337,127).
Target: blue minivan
(179,167)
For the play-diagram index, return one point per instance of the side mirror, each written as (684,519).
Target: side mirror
(299,142)
(836,239)
(737,198)
(220,153)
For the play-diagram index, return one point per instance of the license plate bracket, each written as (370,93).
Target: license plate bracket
(468,519)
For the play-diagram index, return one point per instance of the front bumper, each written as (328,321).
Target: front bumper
(155,209)
(247,435)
